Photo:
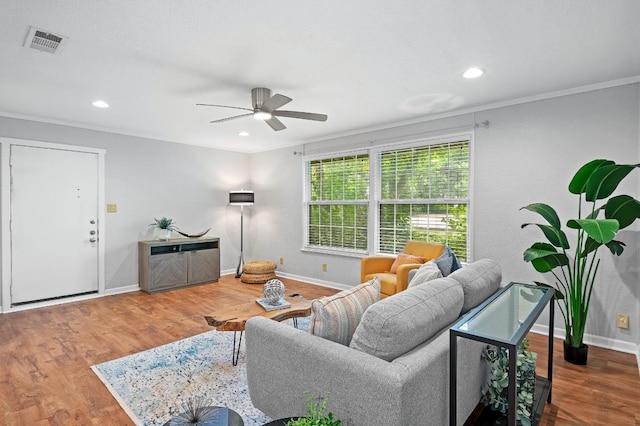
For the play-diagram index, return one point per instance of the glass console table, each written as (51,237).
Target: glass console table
(504,320)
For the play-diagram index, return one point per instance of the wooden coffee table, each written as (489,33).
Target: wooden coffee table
(234,318)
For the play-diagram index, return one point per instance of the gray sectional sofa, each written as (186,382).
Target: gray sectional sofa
(395,371)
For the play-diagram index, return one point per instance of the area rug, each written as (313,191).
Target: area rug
(151,386)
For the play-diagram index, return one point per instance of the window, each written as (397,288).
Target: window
(424,193)
(418,192)
(338,203)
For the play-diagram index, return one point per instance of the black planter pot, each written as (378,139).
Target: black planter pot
(574,355)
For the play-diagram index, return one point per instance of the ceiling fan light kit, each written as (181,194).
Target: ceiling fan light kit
(265,107)
(262,115)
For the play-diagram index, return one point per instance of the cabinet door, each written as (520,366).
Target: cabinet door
(204,266)
(167,270)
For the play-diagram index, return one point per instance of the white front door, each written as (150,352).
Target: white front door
(54,223)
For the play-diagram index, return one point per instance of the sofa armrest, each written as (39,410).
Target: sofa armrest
(283,363)
(374,264)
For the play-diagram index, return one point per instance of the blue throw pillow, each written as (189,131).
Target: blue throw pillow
(447,262)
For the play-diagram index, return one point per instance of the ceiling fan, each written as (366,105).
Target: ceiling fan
(265,107)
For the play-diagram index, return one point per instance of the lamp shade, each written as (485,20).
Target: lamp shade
(241,198)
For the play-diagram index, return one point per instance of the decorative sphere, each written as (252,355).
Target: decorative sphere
(273,291)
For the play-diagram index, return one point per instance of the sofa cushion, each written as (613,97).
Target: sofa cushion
(405,259)
(401,322)
(427,272)
(336,317)
(447,262)
(479,280)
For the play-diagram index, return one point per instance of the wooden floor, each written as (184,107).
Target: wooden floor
(45,355)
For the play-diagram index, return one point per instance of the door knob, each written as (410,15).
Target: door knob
(93,222)
(92,240)
(92,232)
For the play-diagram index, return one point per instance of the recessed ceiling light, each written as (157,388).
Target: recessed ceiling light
(473,72)
(243,133)
(100,104)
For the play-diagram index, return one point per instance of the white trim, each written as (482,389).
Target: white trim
(590,339)
(306,202)
(72,299)
(408,142)
(471,238)
(5,226)
(332,154)
(125,289)
(481,108)
(456,113)
(5,248)
(321,283)
(334,252)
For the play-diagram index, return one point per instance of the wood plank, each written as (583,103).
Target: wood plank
(46,353)
(234,317)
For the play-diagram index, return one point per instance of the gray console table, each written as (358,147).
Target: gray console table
(181,262)
(504,320)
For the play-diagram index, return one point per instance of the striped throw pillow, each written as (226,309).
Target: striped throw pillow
(336,317)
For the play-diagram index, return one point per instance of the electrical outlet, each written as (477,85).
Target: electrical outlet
(282,260)
(112,208)
(623,321)
(324,267)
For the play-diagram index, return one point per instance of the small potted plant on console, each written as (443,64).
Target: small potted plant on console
(164,227)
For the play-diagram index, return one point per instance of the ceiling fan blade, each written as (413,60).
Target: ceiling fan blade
(225,106)
(231,118)
(275,102)
(275,124)
(302,115)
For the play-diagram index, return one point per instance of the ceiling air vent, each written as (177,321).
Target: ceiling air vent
(44,41)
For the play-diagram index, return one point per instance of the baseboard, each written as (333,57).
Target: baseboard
(72,299)
(301,278)
(119,290)
(315,281)
(602,342)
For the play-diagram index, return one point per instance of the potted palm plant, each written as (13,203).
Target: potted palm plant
(575,269)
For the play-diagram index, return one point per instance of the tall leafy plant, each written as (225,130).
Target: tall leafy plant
(575,269)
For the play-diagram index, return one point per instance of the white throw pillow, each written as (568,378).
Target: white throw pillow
(427,272)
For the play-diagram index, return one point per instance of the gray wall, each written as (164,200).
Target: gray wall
(528,154)
(147,179)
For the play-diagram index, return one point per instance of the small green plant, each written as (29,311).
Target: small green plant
(495,394)
(316,413)
(164,223)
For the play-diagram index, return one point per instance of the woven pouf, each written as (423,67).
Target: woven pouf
(258,271)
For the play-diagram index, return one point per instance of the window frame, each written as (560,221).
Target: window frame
(307,202)
(375,182)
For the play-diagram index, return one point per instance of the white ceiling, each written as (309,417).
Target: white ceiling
(363,63)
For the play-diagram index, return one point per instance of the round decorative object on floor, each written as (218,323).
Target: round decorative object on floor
(273,291)
(208,416)
(258,271)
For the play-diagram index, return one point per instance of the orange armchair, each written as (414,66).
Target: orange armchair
(394,282)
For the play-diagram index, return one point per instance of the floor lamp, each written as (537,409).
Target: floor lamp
(241,198)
